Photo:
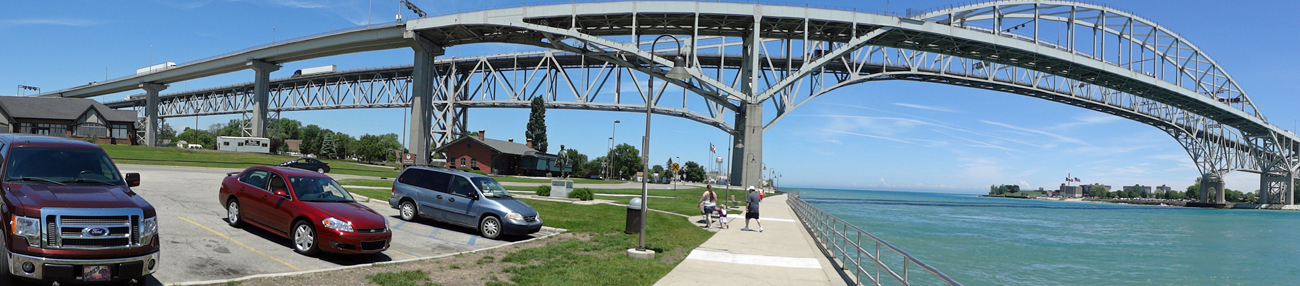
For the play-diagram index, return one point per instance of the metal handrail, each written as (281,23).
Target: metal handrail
(833,234)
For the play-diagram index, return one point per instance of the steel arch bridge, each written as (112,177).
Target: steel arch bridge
(743,56)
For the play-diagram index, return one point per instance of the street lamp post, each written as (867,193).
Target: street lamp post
(678,71)
(609,155)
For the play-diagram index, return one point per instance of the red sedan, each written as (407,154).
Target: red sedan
(307,207)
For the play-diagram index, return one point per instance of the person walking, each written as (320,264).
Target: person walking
(751,209)
(708,203)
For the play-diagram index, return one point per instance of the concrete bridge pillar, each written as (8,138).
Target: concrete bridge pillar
(261,91)
(422,78)
(151,112)
(1275,188)
(1212,188)
(747,147)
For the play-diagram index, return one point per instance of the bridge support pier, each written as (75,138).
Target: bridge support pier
(422,79)
(1212,188)
(1275,188)
(747,147)
(261,91)
(151,112)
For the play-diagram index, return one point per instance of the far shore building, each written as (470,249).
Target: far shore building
(1071,191)
(1163,189)
(1145,191)
(77,118)
(499,157)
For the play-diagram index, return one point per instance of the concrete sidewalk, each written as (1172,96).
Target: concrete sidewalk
(783,254)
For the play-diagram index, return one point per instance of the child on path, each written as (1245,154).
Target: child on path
(722,217)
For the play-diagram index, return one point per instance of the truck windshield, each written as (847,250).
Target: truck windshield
(61,165)
(316,189)
(490,188)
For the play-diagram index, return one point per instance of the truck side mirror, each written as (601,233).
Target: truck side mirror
(132,179)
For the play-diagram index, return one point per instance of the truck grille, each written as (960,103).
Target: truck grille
(83,231)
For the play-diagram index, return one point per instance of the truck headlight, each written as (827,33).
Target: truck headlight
(148,228)
(514,216)
(26,227)
(337,224)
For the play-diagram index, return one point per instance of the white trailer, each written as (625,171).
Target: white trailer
(314,70)
(244,144)
(155,68)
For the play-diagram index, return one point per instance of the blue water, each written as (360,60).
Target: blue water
(997,241)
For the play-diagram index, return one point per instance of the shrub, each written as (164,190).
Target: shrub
(581,194)
(479,172)
(544,191)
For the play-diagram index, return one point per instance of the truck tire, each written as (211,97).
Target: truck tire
(304,238)
(5,278)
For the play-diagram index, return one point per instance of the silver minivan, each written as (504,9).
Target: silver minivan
(462,198)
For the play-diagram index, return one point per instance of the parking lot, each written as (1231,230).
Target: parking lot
(198,245)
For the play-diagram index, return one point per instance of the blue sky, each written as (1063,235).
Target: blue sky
(879,135)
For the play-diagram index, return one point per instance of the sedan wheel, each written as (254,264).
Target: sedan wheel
(320,170)
(490,227)
(233,217)
(407,211)
(304,238)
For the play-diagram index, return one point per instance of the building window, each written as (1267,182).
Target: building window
(44,129)
(121,131)
(87,130)
(473,163)
(462,162)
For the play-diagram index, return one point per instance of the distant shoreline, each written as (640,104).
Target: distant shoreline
(1161,202)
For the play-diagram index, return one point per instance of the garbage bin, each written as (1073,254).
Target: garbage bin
(633,216)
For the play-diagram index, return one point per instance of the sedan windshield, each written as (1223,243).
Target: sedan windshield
(61,165)
(316,189)
(490,188)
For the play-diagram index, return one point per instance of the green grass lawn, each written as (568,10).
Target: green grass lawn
(366,182)
(374,194)
(144,155)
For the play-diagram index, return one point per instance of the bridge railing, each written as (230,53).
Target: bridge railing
(864,262)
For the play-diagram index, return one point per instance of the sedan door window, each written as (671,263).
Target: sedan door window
(255,178)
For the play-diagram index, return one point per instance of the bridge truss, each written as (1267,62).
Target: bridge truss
(745,57)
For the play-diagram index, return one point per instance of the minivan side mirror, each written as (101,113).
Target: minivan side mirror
(132,179)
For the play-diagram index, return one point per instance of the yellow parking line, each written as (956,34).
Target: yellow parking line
(402,253)
(241,244)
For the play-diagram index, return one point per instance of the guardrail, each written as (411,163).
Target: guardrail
(844,242)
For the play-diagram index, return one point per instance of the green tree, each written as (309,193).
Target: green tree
(166,132)
(202,137)
(577,161)
(694,172)
(537,124)
(1097,191)
(370,148)
(328,146)
(627,160)
(657,169)
(592,167)
(343,145)
(311,139)
(1194,192)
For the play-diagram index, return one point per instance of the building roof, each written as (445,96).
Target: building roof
(60,108)
(504,147)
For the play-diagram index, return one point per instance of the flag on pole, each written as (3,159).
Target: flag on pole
(712,148)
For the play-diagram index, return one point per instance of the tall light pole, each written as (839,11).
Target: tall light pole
(610,154)
(678,71)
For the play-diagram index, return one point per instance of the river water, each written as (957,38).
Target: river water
(997,241)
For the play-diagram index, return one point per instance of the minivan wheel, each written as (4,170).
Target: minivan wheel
(304,238)
(490,227)
(407,211)
(233,216)
(320,170)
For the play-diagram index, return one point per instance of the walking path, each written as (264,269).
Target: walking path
(783,254)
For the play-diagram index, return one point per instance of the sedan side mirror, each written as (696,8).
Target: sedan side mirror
(132,179)
(281,193)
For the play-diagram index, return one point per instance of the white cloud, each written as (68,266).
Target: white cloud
(1049,134)
(926,107)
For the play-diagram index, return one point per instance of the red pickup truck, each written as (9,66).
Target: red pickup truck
(70,216)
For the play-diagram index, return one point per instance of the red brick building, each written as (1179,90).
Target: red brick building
(498,157)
